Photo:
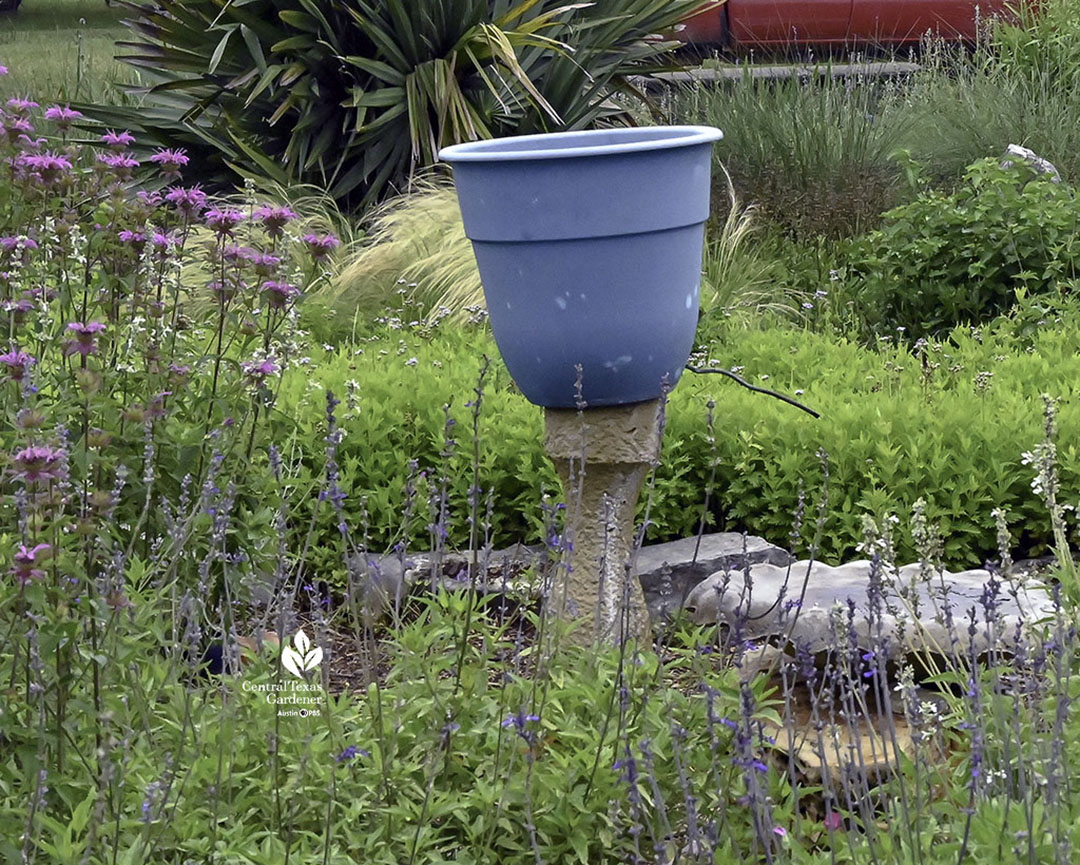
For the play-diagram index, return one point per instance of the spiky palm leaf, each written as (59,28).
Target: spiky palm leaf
(356,95)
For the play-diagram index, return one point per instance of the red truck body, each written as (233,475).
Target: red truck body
(772,23)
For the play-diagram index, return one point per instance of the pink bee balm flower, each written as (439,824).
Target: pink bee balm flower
(321,245)
(39,463)
(170,162)
(85,341)
(21,106)
(11,242)
(3,71)
(47,168)
(25,559)
(18,363)
(189,203)
(117,140)
(223,220)
(15,128)
(63,116)
(278,294)
(237,255)
(133,238)
(274,219)
(120,164)
(265,263)
(259,370)
(162,240)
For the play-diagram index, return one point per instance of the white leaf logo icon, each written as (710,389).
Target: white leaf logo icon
(301,656)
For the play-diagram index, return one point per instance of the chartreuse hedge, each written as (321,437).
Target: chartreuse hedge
(944,421)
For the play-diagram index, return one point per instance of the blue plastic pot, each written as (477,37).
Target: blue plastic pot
(589,247)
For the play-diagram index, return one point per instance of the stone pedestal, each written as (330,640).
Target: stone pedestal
(603,456)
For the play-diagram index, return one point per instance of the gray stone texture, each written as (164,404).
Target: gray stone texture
(909,614)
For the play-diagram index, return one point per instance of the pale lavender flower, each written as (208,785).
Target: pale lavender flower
(266,263)
(14,127)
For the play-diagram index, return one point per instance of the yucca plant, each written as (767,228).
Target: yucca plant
(357,95)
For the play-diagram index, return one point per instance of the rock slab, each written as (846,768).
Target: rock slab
(668,572)
(914,609)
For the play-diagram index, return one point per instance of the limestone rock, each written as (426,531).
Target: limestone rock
(669,572)
(818,607)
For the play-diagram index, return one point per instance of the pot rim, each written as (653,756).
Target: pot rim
(577,144)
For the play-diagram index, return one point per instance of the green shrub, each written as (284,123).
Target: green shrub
(946,259)
(945,421)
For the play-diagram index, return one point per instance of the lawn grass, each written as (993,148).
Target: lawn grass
(63,50)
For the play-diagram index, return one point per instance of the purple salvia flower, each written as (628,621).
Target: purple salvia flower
(520,721)
(39,463)
(18,363)
(274,219)
(321,245)
(350,753)
(118,140)
(85,341)
(25,559)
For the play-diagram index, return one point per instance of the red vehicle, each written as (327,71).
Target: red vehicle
(765,23)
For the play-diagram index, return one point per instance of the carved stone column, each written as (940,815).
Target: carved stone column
(603,456)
